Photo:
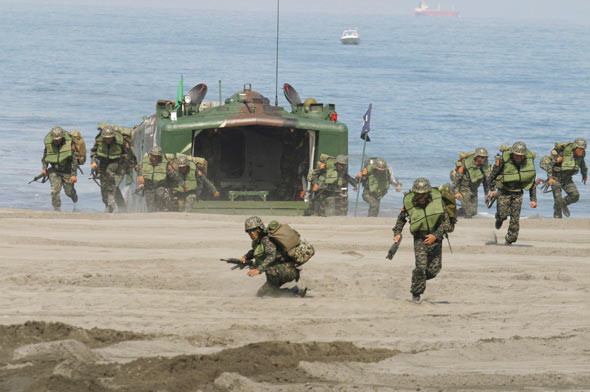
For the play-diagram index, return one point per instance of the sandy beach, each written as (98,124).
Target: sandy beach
(138,302)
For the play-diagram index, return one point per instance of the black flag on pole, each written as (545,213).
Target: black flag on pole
(366,124)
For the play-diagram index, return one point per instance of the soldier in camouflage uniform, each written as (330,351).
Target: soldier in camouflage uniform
(429,223)
(158,178)
(110,156)
(272,260)
(376,178)
(513,172)
(60,153)
(564,162)
(194,180)
(470,173)
(328,179)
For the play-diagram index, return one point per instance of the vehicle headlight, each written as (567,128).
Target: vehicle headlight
(187,99)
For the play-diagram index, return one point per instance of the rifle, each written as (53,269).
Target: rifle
(393,250)
(544,185)
(449,242)
(238,263)
(81,171)
(43,176)
(491,200)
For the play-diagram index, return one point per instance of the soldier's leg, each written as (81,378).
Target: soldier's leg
(572,191)
(557,199)
(419,272)
(277,276)
(372,201)
(150,200)
(329,206)
(503,209)
(434,260)
(162,199)
(473,203)
(69,188)
(188,202)
(56,183)
(514,226)
(120,200)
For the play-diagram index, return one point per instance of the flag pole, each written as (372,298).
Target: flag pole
(358,189)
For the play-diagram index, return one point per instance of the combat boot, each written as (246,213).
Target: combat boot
(75,198)
(416,297)
(564,209)
(57,209)
(499,224)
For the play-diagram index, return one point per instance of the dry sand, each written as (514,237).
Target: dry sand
(141,302)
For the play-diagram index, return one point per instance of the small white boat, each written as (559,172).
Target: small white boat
(350,37)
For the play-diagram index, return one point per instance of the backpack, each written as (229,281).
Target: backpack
(200,162)
(290,241)
(449,202)
(462,156)
(80,144)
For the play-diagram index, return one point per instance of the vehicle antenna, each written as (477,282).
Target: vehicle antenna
(220,93)
(277,60)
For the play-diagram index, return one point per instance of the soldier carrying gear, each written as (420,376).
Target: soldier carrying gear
(110,156)
(194,180)
(513,173)
(330,185)
(158,180)
(60,153)
(376,178)
(469,173)
(270,258)
(429,222)
(565,160)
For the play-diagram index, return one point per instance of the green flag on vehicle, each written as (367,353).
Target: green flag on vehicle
(179,93)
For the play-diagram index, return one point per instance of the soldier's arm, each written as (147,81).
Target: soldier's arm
(402,218)
(203,180)
(443,227)
(496,170)
(583,169)
(249,255)
(350,180)
(45,164)
(392,179)
(458,178)
(486,185)
(93,151)
(533,193)
(270,251)
(74,161)
(174,177)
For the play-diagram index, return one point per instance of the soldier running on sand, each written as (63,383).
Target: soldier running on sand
(158,178)
(60,153)
(513,172)
(469,174)
(429,223)
(376,178)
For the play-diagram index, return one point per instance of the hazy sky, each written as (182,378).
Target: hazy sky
(578,10)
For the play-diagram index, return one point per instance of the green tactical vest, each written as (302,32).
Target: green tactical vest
(425,221)
(58,155)
(110,151)
(259,254)
(154,175)
(332,177)
(190,179)
(378,183)
(570,164)
(516,178)
(476,174)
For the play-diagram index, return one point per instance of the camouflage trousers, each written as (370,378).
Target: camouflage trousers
(276,276)
(111,175)
(509,205)
(327,204)
(183,201)
(468,202)
(157,199)
(563,184)
(57,181)
(428,264)
(374,202)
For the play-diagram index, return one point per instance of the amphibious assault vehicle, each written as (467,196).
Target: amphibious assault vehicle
(258,155)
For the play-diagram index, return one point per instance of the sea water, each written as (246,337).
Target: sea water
(438,85)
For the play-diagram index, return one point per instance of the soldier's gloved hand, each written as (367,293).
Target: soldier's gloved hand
(94,166)
(216,194)
(243,259)
(584,180)
(365,171)
(397,238)
(140,186)
(550,181)
(253,272)
(430,239)
(533,204)
(73,179)
(140,180)
(559,159)
(315,188)
(44,172)
(398,187)
(458,195)
(492,193)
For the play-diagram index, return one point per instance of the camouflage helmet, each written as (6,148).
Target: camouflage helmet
(156,151)
(380,164)
(253,222)
(421,185)
(519,148)
(182,160)
(481,152)
(107,132)
(580,143)
(342,159)
(57,133)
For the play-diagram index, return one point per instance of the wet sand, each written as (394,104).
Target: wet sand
(141,302)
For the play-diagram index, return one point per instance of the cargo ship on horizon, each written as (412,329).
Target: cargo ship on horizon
(424,10)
